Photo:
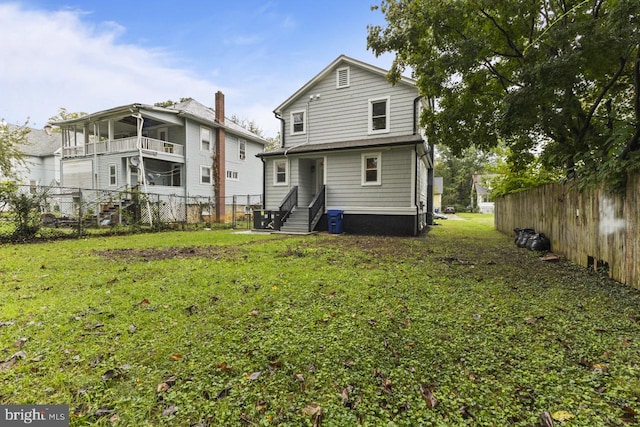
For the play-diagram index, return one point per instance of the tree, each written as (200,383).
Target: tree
(247,124)
(556,77)
(64,114)
(457,173)
(10,140)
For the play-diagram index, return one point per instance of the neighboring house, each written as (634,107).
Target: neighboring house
(438,186)
(481,200)
(41,158)
(185,149)
(351,143)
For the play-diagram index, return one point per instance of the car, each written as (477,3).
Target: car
(449,210)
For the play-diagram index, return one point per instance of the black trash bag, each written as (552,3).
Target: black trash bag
(525,235)
(518,231)
(539,242)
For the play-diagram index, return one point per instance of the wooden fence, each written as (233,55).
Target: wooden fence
(596,229)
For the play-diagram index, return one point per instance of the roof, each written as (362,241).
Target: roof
(190,108)
(345,145)
(329,68)
(40,144)
(201,111)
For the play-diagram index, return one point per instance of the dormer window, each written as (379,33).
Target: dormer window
(342,77)
(297,123)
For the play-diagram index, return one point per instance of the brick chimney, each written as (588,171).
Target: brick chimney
(220,156)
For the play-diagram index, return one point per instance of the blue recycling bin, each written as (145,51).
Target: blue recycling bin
(334,221)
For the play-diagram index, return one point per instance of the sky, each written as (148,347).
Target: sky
(88,56)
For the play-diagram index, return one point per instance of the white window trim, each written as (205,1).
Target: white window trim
(235,176)
(202,128)
(348,70)
(304,123)
(363,169)
(202,167)
(388,115)
(275,172)
(241,152)
(114,175)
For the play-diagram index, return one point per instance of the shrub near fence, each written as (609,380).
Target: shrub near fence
(593,228)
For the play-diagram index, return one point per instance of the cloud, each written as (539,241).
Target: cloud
(57,59)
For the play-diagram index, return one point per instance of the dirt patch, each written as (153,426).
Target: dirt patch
(147,254)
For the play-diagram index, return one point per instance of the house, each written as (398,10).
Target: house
(481,200)
(41,158)
(351,147)
(185,149)
(438,188)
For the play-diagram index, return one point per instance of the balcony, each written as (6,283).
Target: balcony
(124,145)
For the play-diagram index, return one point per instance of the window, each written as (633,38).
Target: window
(297,122)
(163,134)
(379,115)
(205,175)
(232,175)
(205,139)
(280,172)
(342,77)
(371,168)
(242,149)
(113,175)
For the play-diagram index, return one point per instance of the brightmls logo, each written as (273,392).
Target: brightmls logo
(36,415)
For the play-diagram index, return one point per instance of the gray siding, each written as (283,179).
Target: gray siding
(342,114)
(194,158)
(344,184)
(249,170)
(274,193)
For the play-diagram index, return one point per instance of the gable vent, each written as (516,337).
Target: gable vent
(342,77)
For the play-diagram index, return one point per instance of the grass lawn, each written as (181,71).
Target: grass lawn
(458,327)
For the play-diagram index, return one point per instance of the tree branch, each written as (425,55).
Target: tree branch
(587,120)
(504,32)
(634,142)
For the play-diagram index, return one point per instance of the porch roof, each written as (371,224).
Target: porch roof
(345,145)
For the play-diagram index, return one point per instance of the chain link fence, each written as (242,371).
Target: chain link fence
(76,211)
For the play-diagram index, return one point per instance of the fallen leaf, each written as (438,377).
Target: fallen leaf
(387,386)
(224,367)
(299,377)
(562,416)
(104,411)
(144,302)
(345,395)
(111,373)
(254,313)
(314,411)
(162,387)
(466,413)
(629,415)
(427,395)
(261,406)
(132,328)
(39,358)
(273,365)
(176,357)
(254,376)
(545,419)
(166,412)
(223,393)
(114,419)
(20,343)
(349,363)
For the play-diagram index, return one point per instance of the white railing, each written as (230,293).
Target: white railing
(124,145)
